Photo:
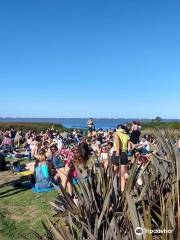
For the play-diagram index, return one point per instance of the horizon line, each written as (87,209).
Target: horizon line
(169,118)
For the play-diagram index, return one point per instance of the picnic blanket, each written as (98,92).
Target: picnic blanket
(25,173)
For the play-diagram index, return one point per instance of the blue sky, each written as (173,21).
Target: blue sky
(81,58)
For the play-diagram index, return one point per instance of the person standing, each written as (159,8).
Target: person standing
(90,124)
(119,158)
(135,132)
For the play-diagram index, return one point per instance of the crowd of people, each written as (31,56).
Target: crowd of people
(54,156)
(120,147)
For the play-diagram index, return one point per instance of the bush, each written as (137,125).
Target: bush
(104,213)
(25,126)
(156,124)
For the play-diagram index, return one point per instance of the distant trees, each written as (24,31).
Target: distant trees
(157,120)
(159,123)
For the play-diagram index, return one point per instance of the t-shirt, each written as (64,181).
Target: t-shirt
(145,145)
(111,151)
(59,143)
(7,141)
(56,161)
(103,156)
(90,123)
(124,138)
(95,147)
(67,154)
(42,176)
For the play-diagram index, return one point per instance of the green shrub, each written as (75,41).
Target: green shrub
(153,124)
(103,213)
(25,126)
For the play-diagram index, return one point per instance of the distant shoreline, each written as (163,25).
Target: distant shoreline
(25,123)
(35,119)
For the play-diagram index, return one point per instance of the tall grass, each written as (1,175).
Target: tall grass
(25,126)
(171,125)
(103,212)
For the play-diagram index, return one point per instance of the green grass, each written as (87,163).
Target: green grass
(171,125)
(20,209)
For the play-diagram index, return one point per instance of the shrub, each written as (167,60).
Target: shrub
(104,213)
(25,126)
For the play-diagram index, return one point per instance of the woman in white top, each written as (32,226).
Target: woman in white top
(33,145)
(104,157)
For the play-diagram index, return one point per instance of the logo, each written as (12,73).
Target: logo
(139,231)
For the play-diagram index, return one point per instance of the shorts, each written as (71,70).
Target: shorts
(122,158)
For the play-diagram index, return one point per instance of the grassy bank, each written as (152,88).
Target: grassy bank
(39,126)
(25,126)
(171,125)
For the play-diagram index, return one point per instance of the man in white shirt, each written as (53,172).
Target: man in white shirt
(59,143)
(144,146)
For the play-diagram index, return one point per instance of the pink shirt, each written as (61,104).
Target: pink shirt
(68,156)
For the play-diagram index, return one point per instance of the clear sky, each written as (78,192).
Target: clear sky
(81,58)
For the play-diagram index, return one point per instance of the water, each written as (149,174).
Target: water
(99,123)
(104,123)
(71,122)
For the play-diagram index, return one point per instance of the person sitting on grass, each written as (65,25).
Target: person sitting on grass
(41,171)
(72,155)
(56,163)
(143,146)
(7,143)
(79,158)
(18,140)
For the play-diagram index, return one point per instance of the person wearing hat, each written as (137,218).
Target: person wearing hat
(119,158)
